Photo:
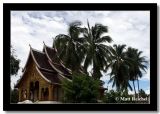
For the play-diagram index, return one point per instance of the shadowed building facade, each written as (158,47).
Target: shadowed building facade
(42,76)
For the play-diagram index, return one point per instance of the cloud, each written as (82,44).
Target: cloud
(131,92)
(25,30)
(147,91)
(34,27)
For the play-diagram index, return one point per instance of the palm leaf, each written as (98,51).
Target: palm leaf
(104,39)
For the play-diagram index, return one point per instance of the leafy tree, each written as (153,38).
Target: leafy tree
(14,96)
(110,97)
(70,47)
(14,67)
(97,53)
(82,89)
(14,63)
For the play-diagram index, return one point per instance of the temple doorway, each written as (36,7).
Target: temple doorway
(45,94)
(34,91)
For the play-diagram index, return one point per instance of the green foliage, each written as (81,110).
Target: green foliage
(142,93)
(14,96)
(14,63)
(110,97)
(82,89)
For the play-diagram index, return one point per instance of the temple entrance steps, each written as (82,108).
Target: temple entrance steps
(39,102)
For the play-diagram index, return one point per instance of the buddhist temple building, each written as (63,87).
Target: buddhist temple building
(42,76)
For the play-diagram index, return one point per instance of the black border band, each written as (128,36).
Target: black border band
(152,7)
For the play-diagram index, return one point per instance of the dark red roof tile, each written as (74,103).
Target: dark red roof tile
(52,55)
(61,68)
(53,77)
(42,60)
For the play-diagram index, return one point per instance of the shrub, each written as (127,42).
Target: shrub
(82,89)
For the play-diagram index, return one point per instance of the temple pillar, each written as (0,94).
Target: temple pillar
(40,95)
(19,92)
(50,93)
(28,93)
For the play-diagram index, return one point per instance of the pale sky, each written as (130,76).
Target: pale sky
(125,27)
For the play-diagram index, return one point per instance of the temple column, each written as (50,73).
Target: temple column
(40,95)
(28,93)
(19,92)
(50,93)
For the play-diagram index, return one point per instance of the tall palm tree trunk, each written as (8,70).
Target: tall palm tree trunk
(94,71)
(138,86)
(134,88)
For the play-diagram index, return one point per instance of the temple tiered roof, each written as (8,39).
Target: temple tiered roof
(48,64)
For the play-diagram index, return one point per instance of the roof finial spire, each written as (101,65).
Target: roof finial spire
(44,43)
(30,46)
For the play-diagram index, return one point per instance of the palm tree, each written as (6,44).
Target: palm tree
(70,47)
(119,68)
(130,54)
(96,50)
(138,65)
